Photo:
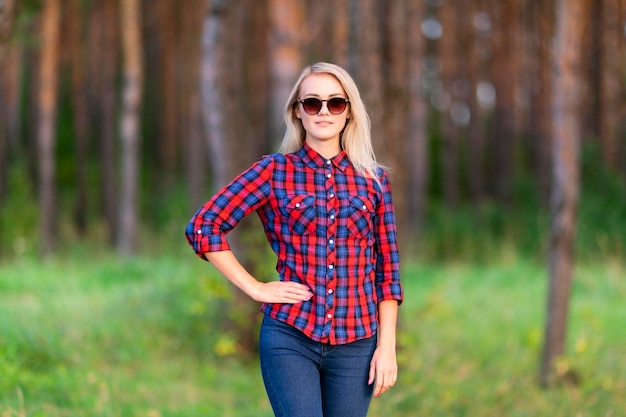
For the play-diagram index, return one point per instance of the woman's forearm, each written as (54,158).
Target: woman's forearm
(228,265)
(265,292)
(387,320)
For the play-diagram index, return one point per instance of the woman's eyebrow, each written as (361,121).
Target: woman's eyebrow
(330,95)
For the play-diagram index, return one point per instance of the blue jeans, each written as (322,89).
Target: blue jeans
(304,378)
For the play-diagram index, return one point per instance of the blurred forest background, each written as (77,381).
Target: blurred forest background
(109,121)
(118,118)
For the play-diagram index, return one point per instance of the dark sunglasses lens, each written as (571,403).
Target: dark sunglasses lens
(336,105)
(312,105)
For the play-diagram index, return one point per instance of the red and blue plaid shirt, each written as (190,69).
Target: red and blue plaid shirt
(332,230)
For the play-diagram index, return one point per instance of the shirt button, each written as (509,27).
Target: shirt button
(364,207)
(199,231)
(330,291)
(331,195)
(297,205)
(328,162)
(331,241)
(330,316)
(329,175)
(332,217)
(331,266)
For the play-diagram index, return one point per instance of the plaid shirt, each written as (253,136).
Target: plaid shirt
(332,230)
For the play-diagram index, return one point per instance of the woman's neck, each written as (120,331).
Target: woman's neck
(328,148)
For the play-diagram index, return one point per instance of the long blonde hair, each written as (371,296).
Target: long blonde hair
(356,138)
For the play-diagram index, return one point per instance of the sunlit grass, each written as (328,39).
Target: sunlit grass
(471,345)
(99,336)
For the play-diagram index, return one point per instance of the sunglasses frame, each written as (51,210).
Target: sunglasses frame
(343,100)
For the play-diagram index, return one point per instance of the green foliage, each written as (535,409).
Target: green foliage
(19,215)
(602,212)
(494,230)
(489,230)
(95,335)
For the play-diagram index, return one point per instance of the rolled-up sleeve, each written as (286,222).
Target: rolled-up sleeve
(207,229)
(388,286)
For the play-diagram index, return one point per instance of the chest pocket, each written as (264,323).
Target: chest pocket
(360,216)
(301,213)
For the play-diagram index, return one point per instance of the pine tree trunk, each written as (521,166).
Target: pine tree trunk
(394,143)
(167,86)
(130,18)
(340,17)
(287,18)
(543,18)
(565,189)
(478,50)
(191,129)
(612,76)
(505,82)
(79,110)
(417,164)
(220,73)
(213,112)
(7,17)
(46,135)
(449,130)
(366,65)
(257,81)
(103,69)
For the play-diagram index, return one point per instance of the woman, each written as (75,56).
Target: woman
(329,332)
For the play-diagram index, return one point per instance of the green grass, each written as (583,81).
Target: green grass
(101,336)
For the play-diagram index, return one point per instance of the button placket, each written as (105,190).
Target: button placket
(331,203)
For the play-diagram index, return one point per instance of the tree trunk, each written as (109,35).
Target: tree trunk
(220,74)
(46,135)
(340,15)
(257,81)
(612,76)
(248,240)
(395,53)
(79,110)
(168,88)
(213,59)
(565,191)
(449,131)
(191,127)
(366,66)
(504,77)
(103,68)
(542,18)
(286,21)
(130,18)
(417,163)
(316,26)
(477,59)
(7,17)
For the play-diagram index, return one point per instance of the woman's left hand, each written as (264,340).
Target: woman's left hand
(383,369)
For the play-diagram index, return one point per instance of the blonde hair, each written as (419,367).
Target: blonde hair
(356,138)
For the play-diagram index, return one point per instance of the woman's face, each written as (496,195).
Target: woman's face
(323,128)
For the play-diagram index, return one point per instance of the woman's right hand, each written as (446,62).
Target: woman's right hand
(280,292)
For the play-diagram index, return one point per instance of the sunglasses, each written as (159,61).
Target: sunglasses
(335,105)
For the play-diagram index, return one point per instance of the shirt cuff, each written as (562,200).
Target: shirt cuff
(209,243)
(391,291)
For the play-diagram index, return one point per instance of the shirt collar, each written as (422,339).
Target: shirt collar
(314,160)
